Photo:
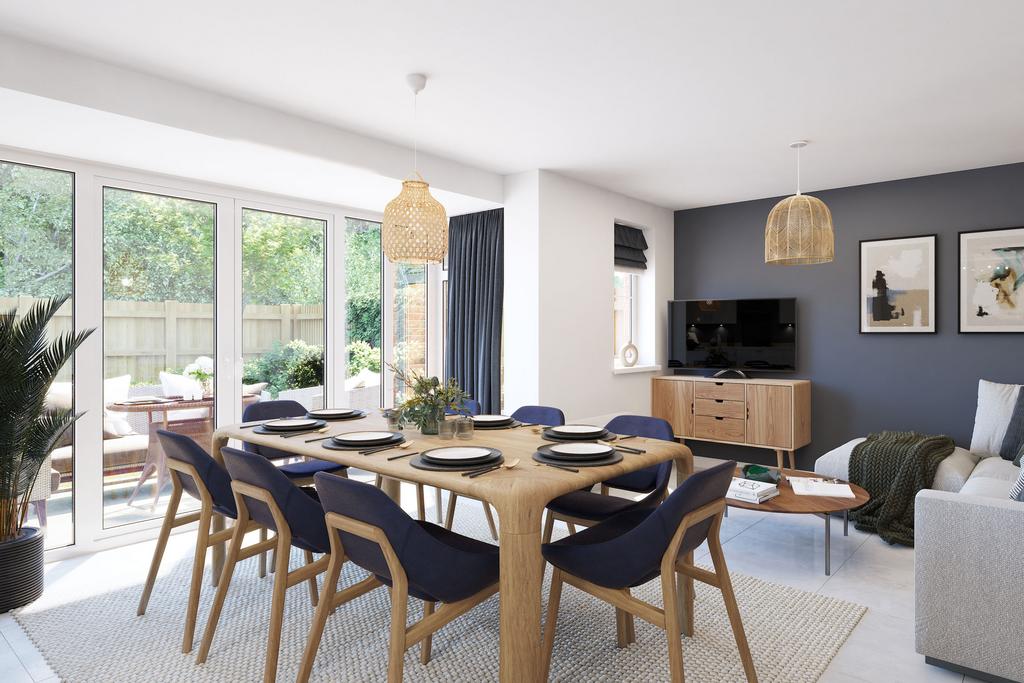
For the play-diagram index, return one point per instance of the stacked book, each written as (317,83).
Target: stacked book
(750,491)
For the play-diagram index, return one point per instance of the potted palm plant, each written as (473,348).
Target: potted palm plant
(28,431)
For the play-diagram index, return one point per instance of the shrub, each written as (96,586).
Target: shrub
(294,365)
(362,355)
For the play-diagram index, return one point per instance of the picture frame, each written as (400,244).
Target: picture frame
(990,286)
(897,291)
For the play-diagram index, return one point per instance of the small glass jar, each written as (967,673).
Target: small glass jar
(464,427)
(394,418)
(446,429)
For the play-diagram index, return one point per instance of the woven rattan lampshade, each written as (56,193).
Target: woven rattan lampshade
(799,228)
(415,228)
(799,232)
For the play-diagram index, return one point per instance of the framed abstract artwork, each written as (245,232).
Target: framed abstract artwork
(992,280)
(897,285)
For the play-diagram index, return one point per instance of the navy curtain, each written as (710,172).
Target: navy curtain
(476,276)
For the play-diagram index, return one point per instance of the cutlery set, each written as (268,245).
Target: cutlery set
(490,468)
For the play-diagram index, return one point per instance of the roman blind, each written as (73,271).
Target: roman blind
(630,247)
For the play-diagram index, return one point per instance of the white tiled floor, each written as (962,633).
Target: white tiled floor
(780,548)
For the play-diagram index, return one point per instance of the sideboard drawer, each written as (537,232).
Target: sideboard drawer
(719,428)
(725,391)
(720,408)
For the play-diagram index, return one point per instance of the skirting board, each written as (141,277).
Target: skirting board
(980,675)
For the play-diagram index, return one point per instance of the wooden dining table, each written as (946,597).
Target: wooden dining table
(519,495)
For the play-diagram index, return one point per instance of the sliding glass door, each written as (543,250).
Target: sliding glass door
(364,265)
(284,330)
(37,220)
(158,342)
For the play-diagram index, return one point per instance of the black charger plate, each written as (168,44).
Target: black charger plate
(610,460)
(419,463)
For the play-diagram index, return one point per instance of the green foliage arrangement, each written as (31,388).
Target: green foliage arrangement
(28,430)
(430,398)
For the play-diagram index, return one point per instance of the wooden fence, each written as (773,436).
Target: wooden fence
(141,338)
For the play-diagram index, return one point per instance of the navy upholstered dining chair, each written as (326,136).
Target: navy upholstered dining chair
(194,472)
(468,406)
(585,508)
(264,496)
(645,480)
(636,546)
(301,471)
(540,415)
(412,558)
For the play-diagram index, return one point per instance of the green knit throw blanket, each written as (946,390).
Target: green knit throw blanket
(893,467)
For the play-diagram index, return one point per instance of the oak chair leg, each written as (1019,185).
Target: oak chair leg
(323,610)
(263,556)
(311,581)
(378,480)
(396,643)
(549,527)
(673,628)
(276,615)
(551,622)
(731,608)
(621,637)
(627,620)
(685,602)
(604,489)
(449,517)
(198,564)
(437,504)
(222,588)
(421,506)
(158,552)
(572,527)
(428,609)
(490,520)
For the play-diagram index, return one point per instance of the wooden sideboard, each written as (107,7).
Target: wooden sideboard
(760,413)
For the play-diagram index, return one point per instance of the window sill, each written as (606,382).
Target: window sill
(623,370)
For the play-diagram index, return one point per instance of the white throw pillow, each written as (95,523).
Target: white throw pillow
(115,390)
(180,385)
(995,408)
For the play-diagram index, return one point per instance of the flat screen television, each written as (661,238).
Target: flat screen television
(757,335)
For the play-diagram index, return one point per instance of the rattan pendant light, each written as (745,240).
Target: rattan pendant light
(415,228)
(799,229)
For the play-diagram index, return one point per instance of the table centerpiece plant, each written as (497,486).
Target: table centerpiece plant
(430,399)
(28,433)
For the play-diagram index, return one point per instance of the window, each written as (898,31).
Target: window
(158,340)
(624,312)
(36,259)
(283,316)
(408,322)
(364,263)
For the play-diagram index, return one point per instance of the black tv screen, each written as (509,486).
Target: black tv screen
(742,334)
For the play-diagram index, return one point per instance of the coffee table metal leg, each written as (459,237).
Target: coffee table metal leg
(828,545)
(846,522)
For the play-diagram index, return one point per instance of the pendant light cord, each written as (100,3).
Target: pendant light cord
(415,136)
(798,170)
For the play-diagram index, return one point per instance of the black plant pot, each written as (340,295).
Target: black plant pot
(21,569)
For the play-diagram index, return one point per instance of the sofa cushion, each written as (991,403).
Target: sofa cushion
(952,473)
(987,487)
(995,408)
(996,468)
(1014,439)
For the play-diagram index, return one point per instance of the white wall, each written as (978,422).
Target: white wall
(574,260)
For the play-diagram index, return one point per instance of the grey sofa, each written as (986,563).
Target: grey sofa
(968,562)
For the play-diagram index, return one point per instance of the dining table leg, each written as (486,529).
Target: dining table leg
(521,583)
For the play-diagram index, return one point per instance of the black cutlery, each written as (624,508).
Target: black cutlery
(402,455)
(560,467)
(304,432)
(378,449)
(477,473)
(249,425)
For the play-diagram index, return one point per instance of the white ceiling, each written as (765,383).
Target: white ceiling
(679,103)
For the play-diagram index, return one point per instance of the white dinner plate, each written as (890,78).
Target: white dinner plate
(456,453)
(290,423)
(332,412)
(489,419)
(362,437)
(577,430)
(581,449)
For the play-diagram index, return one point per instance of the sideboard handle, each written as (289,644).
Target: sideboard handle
(719,400)
(719,418)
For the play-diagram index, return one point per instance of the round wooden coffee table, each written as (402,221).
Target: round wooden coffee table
(790,503)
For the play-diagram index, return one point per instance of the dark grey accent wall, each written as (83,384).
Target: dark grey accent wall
(865,382)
